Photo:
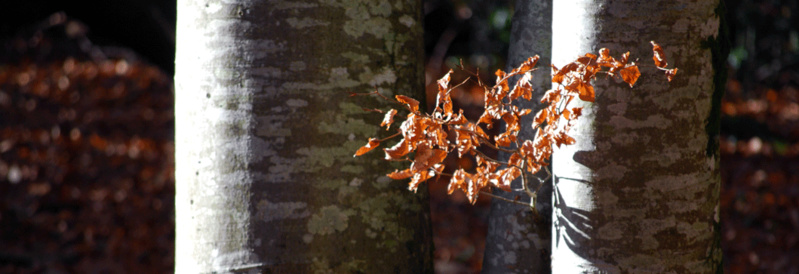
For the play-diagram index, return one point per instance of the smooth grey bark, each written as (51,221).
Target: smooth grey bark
(517,241)
(639,191)
(265,133)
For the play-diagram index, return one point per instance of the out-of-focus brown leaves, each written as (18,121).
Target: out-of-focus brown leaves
(86,158)
(759,149)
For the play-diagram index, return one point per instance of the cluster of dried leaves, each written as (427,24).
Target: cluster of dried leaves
(428,134)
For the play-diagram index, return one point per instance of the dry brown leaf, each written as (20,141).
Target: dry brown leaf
(412,103)
(373,143)
(389,118)
(658,55)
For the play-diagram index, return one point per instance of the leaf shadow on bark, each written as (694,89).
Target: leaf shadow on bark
(573,224)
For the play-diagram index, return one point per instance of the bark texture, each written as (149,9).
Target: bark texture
(517,241)
(265,133)
(639,192)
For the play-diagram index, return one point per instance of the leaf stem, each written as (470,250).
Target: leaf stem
(389,137)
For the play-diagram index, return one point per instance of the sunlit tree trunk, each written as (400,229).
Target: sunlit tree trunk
(639,192)
(517,241)
(265,134)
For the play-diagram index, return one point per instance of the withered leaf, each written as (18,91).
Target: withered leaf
(533,166)
(630,74)
(527,65)
(472,190)
(418,178)
(460,179)
(458,120)
(558,75)
(397,151)
(542,139)
(586,91)
(491,166)
(443,98)
(389,118)
(563,139)
(624,58)
(604,56)
(587,59)
(552,95)
(506,177)
(399,175)
(500,74)
(464,141)
(427,157)
(438,134)
(423,152)
(373,143)
(412,103)
(505,139)
(511,121)
(576,112)
(671,73)
(413,128)
(541,116)
(515,160)
(486,119)
(523,88)
(658,55)
(566,113)
(443,83)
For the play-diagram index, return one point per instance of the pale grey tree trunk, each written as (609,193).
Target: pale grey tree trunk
(265,134)
(639,191)
(517,241)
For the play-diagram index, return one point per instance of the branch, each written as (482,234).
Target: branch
(503,198)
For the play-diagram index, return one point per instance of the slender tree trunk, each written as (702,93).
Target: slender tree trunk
(639,191)
(265,134)
(517,241)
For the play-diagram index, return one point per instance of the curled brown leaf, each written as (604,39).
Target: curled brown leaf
(373,143)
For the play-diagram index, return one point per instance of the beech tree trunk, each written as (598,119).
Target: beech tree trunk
(517,241)
(265,133)
(639,191)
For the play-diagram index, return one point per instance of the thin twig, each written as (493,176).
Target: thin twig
(502,198)
(389,137)
(524,182)
(489,158)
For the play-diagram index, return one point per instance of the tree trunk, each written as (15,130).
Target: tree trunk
(639,191)
(517,241)
(265,134)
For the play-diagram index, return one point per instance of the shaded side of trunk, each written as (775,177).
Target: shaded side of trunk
(265,134)
(517,241)
(638,192)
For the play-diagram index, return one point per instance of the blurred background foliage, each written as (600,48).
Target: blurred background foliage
(86,133)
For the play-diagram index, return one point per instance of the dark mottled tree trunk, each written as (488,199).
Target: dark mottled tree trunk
(265,134)
(517,241)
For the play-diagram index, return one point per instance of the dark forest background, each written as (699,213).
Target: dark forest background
(86,133)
